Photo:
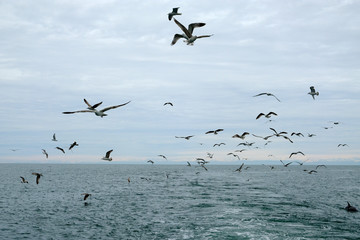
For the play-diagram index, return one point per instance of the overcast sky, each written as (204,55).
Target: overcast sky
(53,54)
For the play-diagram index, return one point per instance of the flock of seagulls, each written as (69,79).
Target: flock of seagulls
(190,38)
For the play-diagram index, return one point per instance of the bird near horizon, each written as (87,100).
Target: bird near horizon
(268,115)
(188,33)
(294,153)
(150,161)
(164,157)
(107,156)
(38,175)
(240,168)
(45,153)
(173,13)
(313,93)
(100,113)
(287,164)
(267,94)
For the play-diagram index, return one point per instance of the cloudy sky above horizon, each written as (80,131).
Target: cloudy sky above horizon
(53,54)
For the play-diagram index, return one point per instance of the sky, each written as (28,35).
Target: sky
(53,54)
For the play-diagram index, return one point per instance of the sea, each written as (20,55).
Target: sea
(178,202)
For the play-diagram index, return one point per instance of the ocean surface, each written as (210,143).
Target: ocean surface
(178,202)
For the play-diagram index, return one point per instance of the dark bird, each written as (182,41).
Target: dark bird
(218,144)
(38,175)
(310,172)
(86,195)
(209,155)
(268,115)
(350,208)
(267,94)
(246,144)
(215,131)
(237,156)
(61,149)
(311,135)
(203,166)
(100,113)
(285,165)
(162,156)
(242,136)
(92,107)
(107,156)
(188,33)
(320,166)
(241,150)
(73,145)
(45,153)
(239,169)
(173,13)
(297,134)
(300,163)
(343,145)
(150,161)
(313,93)
(23,180)
(54,138)
(294,153)
(187,137)
(188,164)
(168,103)
(280,134)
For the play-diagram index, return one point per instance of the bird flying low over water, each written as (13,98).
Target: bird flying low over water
(150,161)
(313,93)
(287,164)
(188,33)
(100,113)
(188,164)
(268,94)
(23,180)
(38,175)
(164,157)
(86,195)
(294,153)
(61,149)
(107,156)
(45,153)
(268,115)
(240,168)
(321,165)
(173,13)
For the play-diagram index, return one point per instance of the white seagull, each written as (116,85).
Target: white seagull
(267,94)
(173,13)
(313,92)
(107,156)
(100,113)
(190,38)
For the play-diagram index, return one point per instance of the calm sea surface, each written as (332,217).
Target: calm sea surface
(191,203)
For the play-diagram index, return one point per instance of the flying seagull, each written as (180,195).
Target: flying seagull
(168,103)
(187,137)
(188,33)
(38,175)
(173,13)
(150,161)
(239,169)
(188,164)
(54,138)
(162,156)
(242,136)
(100,113)
(218,144)
(268,94)
(73,145)
(44,152)
(343,145)
(285,165)
(313,93)
(61,149)
(23,180)
(86,195)
(107,156)
(294,153)
(266,115)
(215,131)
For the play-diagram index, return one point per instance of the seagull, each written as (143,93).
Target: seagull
(313,92)
(86,195)
(235,155)
(173,13)
(350,208)
(312,171)
(285,165)
(23,180)
(107,156)
(100,113)
(92,107)
(215,131)
(239,169)
(38,175)
(162,156)
(320,166)
(342,145)
(150,161)
(54,138)
(219,144)
(73,145)
(61,149)
(294,153)
(241,150)
(190,39)
(268,94)
(266,115)
(187,137)
(44,152)
(168,103)
(297,134)
(188,164)
(209,155)
(242,136)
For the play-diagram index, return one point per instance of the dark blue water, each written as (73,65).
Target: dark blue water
(259,203)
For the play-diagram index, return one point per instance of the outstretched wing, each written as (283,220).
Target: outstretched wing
(80,111)
(108,153)
(204,36)
(112,107)
(176,38)
(312,89)
(260,94)
(187,32)
(195,25)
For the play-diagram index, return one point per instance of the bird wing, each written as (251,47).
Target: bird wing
(86,102)
(273,130)
(260,114)
(176,38)
(96,105)
(312,89)
(187,32)
(80,111)
(175,10)
(112,107)
(108,153)
(271,113)
(195,25)
(60,149)
(204,36)
(259,94)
